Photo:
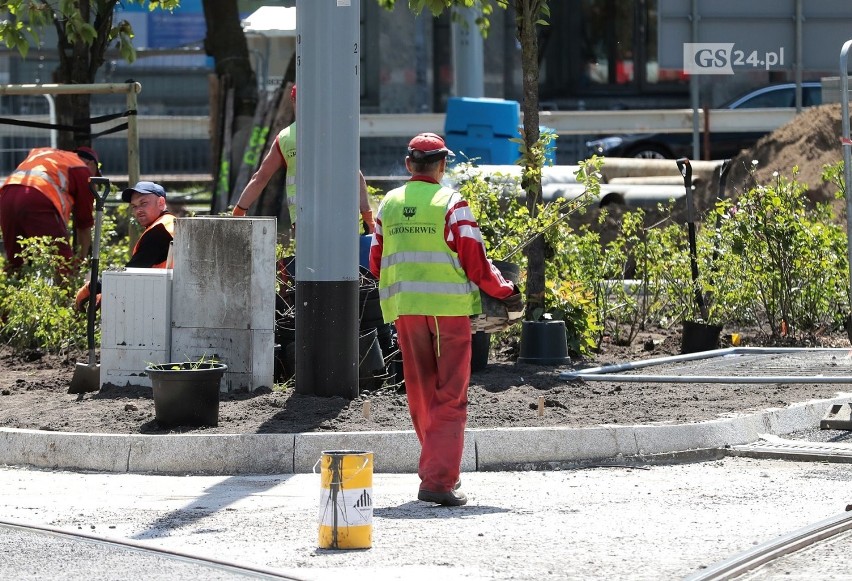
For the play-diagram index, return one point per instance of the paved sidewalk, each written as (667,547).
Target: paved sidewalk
(261,504)
(397,452)
(659,522)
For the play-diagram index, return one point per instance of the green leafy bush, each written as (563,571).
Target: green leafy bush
(37,303)
(507,228)
(791,256)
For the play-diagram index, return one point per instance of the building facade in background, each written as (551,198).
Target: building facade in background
(595,54)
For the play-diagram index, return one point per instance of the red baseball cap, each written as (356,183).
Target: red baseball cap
(87,153)
(428,147)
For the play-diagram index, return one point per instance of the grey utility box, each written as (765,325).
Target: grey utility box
(223,296)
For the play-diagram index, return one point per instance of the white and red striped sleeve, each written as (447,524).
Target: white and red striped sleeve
(377,244)
(465,239)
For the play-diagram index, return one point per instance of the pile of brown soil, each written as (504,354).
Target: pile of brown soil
(810,141)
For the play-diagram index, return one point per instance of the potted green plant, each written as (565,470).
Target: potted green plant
(187,393)
(693,298)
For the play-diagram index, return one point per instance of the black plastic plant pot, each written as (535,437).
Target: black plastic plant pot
(544,343)
(370,357)
(480,345)
(699,337)
(186,394)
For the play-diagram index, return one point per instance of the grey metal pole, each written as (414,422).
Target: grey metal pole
(328,51)
(133,166)
(693,90)
(847,148)
(468,63)
(800,19)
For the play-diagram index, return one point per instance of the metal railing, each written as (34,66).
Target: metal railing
(174,145)
(563,122)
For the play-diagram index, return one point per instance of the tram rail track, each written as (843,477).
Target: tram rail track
(231,570)
(785,545)
(798,540)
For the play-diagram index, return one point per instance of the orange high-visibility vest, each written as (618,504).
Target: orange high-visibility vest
(46,170)
(167,220)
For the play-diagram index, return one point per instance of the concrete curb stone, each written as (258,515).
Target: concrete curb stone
(394,451)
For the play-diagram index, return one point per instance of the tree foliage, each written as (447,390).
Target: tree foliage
(85,30)
(76,22)
(484,8)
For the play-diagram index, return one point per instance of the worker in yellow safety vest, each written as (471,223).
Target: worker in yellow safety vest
(282,154)
(428,255)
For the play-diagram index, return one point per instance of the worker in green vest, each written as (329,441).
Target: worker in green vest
(428,255)
(282,154)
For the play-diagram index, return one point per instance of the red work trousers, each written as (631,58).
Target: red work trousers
(436,357)
(27,213)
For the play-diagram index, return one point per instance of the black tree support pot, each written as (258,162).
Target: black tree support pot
(544,343)
(699,337)
(186,394)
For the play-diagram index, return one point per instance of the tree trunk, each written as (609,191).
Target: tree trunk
(527,16)
(226,43)
(78,65)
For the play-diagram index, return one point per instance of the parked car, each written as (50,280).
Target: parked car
(722,144)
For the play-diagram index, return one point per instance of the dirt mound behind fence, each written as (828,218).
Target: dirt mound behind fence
(810,141)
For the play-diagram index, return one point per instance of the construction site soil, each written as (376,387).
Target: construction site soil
(34,395)
(34,386)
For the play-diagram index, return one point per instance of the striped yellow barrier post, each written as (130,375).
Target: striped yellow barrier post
(346,500)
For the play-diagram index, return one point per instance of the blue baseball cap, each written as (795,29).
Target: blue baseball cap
(144,188)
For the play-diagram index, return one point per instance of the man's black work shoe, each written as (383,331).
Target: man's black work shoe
(457,485)
(450,498)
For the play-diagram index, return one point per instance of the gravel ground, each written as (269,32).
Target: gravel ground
(664,522)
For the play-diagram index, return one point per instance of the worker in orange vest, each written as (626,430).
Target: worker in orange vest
(148,206)
(41,195)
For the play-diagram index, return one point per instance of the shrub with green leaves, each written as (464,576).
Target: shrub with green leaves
(507,228)
(572,302)
(717,280)
(495,201)
(37,304)
(792,255)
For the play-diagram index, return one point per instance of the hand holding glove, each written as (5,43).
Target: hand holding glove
(514,305)
(81,301)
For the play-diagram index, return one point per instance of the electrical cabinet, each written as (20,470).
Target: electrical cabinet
(223,296)
(135,323)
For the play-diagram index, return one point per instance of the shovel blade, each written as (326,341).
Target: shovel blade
(87,378)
